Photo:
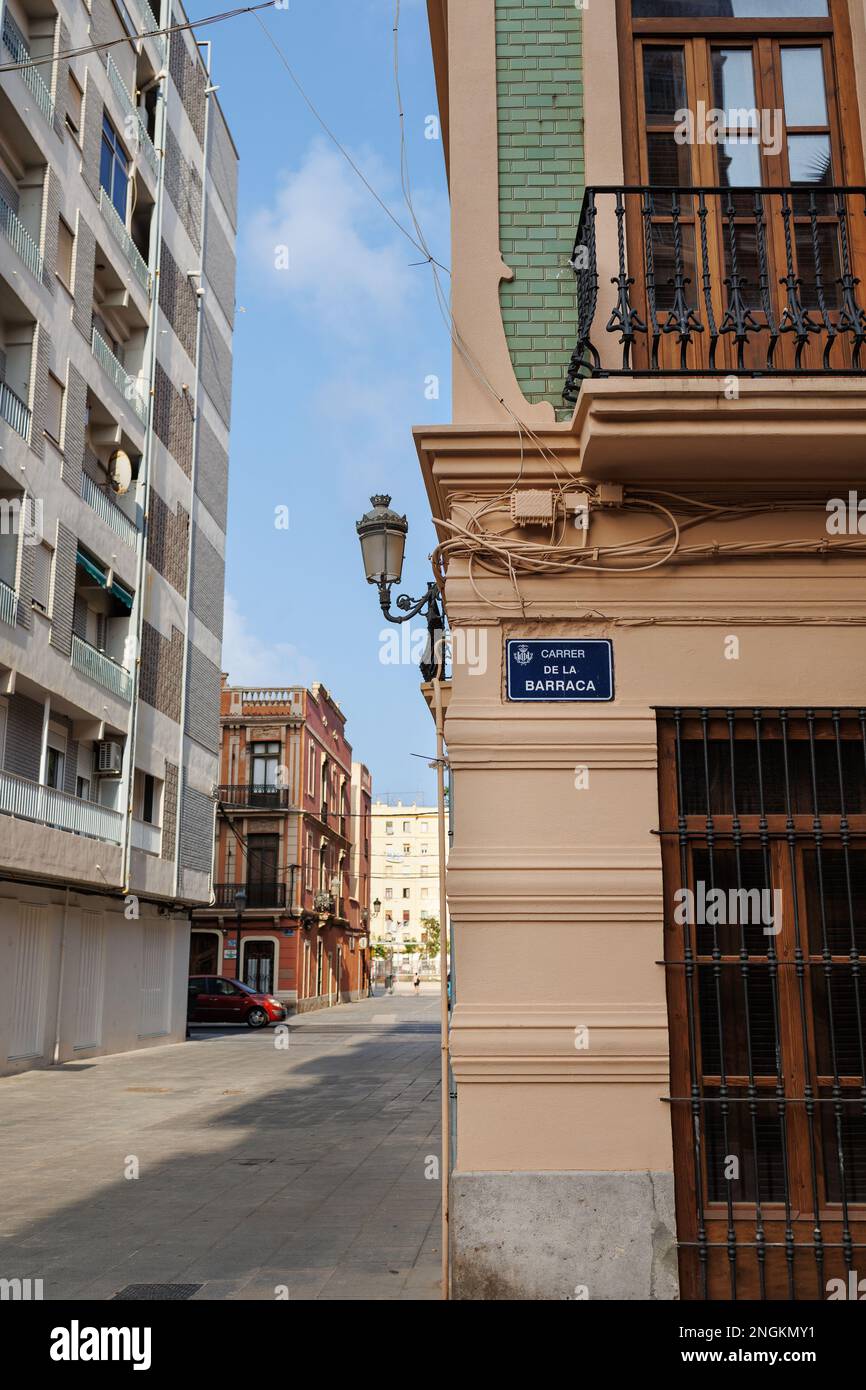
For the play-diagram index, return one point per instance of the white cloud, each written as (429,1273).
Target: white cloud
(250,661)
(344,264)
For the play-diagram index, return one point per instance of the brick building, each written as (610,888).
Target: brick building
(117,231)
(292,851)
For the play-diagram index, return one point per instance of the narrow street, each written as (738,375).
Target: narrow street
(261,1169)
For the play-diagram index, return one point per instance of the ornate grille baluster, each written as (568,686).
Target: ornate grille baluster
(852,319)
(707,280)
(764,276)
(624,319)
(795,319)
(647,214)
(681,318)
(738,319)
(587,299)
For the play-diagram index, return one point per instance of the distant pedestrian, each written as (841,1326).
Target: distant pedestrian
(417,982)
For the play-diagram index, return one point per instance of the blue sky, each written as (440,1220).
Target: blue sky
(332,355)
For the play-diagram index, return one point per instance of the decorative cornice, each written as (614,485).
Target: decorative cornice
(502,1043)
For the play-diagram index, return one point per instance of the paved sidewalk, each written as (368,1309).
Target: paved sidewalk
(259,1166)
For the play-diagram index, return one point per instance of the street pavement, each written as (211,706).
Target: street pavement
(263,1171)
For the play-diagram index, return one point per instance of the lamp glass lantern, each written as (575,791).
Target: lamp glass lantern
(382,533)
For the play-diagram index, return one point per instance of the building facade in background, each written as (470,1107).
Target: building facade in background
(117,232)
(658,397)
(405,883)
(292,851)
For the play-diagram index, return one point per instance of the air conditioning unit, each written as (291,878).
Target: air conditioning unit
(109,758)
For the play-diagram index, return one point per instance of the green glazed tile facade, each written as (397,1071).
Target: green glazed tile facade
(541,178)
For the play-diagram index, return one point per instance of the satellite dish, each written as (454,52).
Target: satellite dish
(120,471)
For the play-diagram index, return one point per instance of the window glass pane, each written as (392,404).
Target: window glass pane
(664,84)
(809,159)
(803,82)
(727,9)
(669,164)
(739,164)
(734,83)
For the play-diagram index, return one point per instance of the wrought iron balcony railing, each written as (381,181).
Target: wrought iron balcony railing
(266,797)
(258,894)
(720,281)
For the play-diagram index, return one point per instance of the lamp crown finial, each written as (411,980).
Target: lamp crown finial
(381,499)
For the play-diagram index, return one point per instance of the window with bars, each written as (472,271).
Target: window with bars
(763,828)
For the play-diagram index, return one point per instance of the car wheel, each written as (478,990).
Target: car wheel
(257,1018)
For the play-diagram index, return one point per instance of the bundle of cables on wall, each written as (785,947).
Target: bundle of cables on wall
(485,534)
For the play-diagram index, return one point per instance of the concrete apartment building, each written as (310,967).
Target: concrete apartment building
(651,495)
(292,851)
(117,231)
(405,876)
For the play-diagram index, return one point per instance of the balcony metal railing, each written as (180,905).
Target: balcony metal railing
(254,796)
(149,23)
(20,239)
(14,411)
(103,504)
(127,385)
(101,668)
(46,805)
(258,894)
(30,76)
(137,263)
(146,837)
(8,604)
(719,281)
(142,139)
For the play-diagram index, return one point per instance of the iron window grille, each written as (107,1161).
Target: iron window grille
(766,1008)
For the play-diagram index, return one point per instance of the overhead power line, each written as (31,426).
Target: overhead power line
(35,62)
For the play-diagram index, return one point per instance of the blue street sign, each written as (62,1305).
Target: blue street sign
(559,668)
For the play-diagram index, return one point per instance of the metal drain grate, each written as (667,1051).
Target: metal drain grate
(157,1292)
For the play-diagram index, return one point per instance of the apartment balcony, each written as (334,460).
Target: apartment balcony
(16,45)
(140,138)
(127,385)
(14,411)
(146,837)
(255,797)
(259,895)
(132,255)
(32,801)
(149,23)
(105,506)
(20,240)
(101,668)
(8,604)
(715,325)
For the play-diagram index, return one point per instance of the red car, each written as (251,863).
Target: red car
(213,999)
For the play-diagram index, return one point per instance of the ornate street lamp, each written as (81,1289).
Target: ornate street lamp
(382,533)
(377,906)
